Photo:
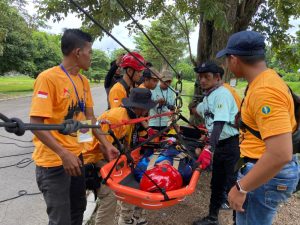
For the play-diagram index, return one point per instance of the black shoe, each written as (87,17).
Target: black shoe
(208,220)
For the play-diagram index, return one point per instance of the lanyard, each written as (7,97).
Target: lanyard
(81,103)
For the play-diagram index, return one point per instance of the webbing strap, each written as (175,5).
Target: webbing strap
(138,120)
(176,162)
(153,160)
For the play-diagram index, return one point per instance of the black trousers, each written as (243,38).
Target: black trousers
(225,157)
(64,195)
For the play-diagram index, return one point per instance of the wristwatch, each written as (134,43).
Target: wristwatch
(239,187)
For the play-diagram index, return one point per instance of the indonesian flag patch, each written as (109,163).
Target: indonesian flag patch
(116,100)
(42,94)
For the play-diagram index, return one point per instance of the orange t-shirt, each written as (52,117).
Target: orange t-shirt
(116,94)
(268,108)
(54,99)
(142,85)
(114,116)
(235,95)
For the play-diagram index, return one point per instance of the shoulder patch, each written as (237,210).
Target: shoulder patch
(266,110)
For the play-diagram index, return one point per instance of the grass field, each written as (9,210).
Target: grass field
(14,86)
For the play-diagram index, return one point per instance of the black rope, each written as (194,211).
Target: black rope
(21,164)
(15,139)
(20,146)
(148,38)
(20,194)
(116,40)
(18,127)
(8,156)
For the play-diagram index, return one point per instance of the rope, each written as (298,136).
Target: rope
(26,161)
(148,38)
(20,146)
(138,120)
(15,139)
(116,40)
(8,156)
(20,194)
(18,127)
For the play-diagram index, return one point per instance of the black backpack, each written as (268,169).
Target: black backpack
(296,134)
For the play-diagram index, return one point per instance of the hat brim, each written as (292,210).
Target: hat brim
(227,51)
(165,80)
(149,105)
(222,53)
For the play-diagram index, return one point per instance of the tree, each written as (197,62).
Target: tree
(167,37)
(217,18)
(115,53)
(16,41)
(46,51)
(186,69)
(99,67)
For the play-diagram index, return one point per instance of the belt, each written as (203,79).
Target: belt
(242,162)
(247,159)
(227,140)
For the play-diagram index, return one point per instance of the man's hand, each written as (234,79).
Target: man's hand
(71,163)
(161,101)
(236,199)
(110,152)
(205,158)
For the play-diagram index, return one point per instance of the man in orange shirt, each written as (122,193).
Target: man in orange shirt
(132,72)
(270,171)
(151,77)
(61,93)
(137,105)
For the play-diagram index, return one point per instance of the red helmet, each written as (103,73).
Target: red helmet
(165,176)
(129,61)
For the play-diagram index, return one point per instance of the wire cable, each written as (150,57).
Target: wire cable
(148,38)
(116,40)
(20,194)
(15,139)
(20,146)
(15,155)
(21,164)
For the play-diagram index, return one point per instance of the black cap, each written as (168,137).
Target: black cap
(244,43)
(209,67)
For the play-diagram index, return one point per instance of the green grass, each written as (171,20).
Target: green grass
(16,84)
(295,86)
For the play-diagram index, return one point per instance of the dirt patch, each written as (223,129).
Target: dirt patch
(196,206)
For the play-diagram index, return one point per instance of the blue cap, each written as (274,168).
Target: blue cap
(244,43)
(209,67)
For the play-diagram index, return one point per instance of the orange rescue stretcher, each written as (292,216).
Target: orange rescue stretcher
(126,188)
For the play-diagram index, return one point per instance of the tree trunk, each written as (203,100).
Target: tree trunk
(211,40)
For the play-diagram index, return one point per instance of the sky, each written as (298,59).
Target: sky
(107,44)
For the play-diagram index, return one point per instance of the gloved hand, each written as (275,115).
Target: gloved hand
(205,158)
(151,131)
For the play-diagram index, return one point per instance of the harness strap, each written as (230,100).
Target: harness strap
(176,162)
(153,160)
(125,85)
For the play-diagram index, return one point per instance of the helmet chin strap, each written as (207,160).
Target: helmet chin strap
(131,77)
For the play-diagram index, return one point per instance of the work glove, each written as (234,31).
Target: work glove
(151,131)
(205,158)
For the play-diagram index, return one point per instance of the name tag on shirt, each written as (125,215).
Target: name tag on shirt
(85,134)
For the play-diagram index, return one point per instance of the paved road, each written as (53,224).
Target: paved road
(26,210)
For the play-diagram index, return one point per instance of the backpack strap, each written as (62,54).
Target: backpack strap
(252,131)
(125,85)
